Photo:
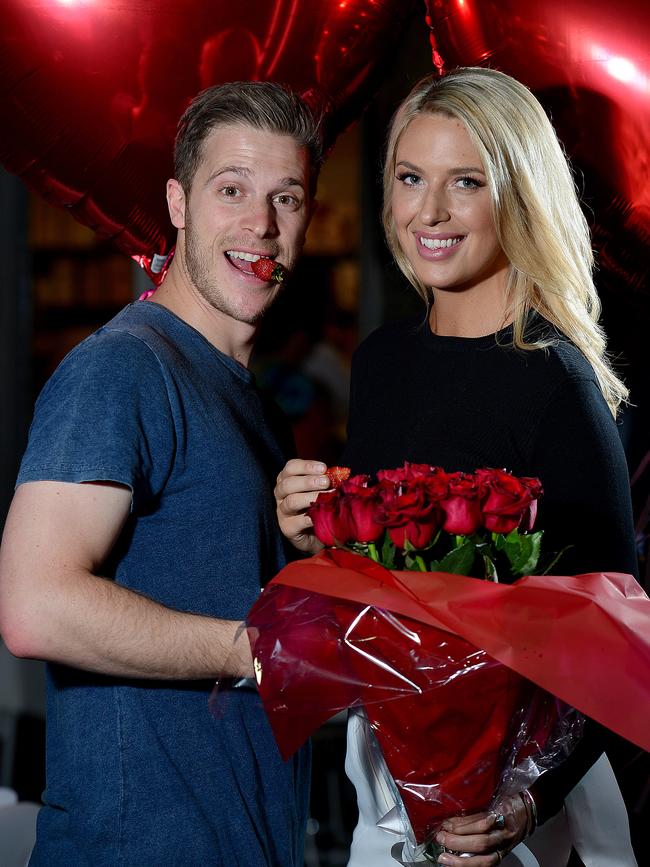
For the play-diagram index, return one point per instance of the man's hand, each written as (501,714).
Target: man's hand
(297,487)
(54,604)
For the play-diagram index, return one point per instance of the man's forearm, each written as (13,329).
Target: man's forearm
(94,624)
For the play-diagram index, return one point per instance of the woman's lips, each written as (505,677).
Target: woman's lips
(435,247)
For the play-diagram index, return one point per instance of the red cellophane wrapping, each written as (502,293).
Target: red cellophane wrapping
(442,666)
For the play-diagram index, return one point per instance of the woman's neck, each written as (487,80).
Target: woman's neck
(469,313)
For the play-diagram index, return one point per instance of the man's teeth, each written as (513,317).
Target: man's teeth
(437,244)
(247,257)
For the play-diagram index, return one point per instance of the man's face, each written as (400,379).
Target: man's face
(249,198)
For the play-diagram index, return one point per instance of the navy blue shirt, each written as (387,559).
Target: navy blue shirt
(139,772)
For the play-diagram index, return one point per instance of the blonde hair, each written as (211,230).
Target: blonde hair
(537,215)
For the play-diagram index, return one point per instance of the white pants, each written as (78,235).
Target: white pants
(594,821)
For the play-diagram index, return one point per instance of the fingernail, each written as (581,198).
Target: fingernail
(322,481)
(318,468)
(440,838)
(444,859)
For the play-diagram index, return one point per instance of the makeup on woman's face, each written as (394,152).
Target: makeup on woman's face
(442,208)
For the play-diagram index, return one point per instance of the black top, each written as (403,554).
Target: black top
(464,403)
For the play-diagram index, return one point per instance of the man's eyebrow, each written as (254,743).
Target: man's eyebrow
(457,170)
(245,172)
(234,170)
(291,182)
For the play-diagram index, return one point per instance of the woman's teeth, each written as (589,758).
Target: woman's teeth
(437,244)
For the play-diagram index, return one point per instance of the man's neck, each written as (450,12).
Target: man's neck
(233,338)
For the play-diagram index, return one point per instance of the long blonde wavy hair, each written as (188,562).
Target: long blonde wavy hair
(537,215)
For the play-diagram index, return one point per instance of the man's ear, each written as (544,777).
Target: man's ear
(176,203)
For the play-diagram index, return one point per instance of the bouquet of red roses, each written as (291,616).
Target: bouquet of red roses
(422,518)
(437,660)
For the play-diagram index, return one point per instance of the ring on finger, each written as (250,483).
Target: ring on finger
(499,822)
(499,855)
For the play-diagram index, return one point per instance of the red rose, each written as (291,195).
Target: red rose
(536,490)
(363,507)
(435,484)
(508,500)
(405,474)
(331,520)
(462,505)
(355,484)
(410,516)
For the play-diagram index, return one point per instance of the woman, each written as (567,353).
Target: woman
(506,368)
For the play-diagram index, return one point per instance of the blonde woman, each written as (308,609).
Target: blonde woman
(506,366)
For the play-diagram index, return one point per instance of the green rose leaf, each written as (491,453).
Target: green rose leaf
(521,549)
(388,553)
(460,560)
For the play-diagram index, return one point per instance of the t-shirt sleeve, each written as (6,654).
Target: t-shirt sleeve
(104,415)
(586,505)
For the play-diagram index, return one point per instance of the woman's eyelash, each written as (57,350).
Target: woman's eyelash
(411,178)
(474,181)
(402,176)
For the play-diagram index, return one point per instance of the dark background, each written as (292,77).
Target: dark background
(59,283)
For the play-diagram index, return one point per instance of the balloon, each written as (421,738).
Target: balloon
(91,90)
(588,63)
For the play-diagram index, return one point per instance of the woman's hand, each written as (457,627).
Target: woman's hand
(297,487)
(487,836)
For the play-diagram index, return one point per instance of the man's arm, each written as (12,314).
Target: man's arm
(54,604)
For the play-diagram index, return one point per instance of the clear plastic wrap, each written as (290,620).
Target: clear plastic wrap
(454,726)
(456,677)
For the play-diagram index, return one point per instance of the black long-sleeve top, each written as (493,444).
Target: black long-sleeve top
(465,403)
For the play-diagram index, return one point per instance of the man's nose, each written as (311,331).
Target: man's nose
(260,219)
(435,207)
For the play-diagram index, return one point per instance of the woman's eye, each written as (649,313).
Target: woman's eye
(230,192)
(408,178)
(468,183)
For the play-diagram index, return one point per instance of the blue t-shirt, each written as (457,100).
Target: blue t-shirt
(140,772)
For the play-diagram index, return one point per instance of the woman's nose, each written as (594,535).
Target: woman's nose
(435,208)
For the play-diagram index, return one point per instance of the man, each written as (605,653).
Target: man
(143,526)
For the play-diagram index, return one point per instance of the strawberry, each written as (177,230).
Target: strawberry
(267,269)
(338,475)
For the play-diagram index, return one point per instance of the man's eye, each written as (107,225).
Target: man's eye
(230,192)
(286,199)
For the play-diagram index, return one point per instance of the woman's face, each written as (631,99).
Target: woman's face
(441,207)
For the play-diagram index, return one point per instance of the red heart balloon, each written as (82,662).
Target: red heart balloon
(588,63)
(91,90)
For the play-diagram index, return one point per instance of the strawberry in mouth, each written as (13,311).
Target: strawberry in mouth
(269,270)
(262,267)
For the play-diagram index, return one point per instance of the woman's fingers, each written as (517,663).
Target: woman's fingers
(489,860)
(301,476)
(296,504)
(488,836)
(296,488)
(475,843)
(477,823)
